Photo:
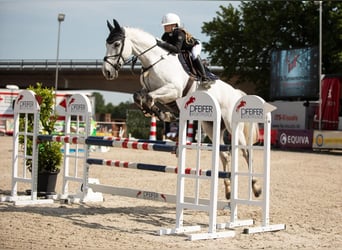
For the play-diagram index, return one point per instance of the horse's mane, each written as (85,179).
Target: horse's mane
(133,31)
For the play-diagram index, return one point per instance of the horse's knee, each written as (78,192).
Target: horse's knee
(137,97)
(225,160)
(143,97)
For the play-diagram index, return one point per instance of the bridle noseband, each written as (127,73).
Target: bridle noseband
(117,65)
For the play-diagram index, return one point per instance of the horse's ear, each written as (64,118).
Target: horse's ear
(116,25)
(110,27)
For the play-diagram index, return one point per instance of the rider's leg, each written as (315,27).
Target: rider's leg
(205,81)
(195,53)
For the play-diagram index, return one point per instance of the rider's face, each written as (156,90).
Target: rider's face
(169,28)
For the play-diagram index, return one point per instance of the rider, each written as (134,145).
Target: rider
(176,39)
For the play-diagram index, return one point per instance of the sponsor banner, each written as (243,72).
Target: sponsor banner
(251,108)
(199,106)
(324,139)
(274,136)
(295,138)
(26,102)
(78,104)
(289,115)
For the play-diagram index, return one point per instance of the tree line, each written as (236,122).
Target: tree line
(242,40)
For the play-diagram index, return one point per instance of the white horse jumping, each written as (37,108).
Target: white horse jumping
(164,80)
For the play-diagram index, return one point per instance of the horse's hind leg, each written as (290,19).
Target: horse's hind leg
(224,156)
(257,190)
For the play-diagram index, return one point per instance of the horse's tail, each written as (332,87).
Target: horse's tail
(254,136)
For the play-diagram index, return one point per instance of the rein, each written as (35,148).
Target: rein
(135,58)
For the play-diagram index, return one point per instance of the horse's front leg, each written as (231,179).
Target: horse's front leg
(224,155)
(143,101)
(160,97)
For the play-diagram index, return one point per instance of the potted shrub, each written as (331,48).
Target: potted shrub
(49,153)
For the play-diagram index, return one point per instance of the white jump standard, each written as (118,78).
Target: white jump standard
(201,107)
(25,104)
(251,109)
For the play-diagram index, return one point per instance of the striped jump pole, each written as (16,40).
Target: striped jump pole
(129,139)
(109,143)
(153,167)
(124,143)
(208,146)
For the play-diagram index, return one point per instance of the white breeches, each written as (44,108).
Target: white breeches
(196,50)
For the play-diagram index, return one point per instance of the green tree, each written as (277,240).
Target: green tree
(109,108)
(100,107)
(120,111)
(137,124)
(242,40)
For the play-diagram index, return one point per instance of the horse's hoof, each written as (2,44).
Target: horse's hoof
(168,117)
(256,188)
(257,193)
(227,188)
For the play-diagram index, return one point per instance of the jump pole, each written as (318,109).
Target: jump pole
(223,147)
(153,167)
(150,195)
(251,109)
(126,143)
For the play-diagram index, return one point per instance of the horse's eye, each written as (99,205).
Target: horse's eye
(116,44)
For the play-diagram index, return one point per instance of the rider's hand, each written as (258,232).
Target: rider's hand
(159,42)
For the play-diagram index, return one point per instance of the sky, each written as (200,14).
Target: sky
(29,28)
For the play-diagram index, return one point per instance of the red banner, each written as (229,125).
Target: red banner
(331,89)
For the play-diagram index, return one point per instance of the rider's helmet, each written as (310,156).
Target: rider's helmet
(171,18)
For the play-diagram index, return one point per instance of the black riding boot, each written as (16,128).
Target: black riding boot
(205,82)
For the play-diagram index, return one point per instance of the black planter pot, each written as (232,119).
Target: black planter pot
(47,183)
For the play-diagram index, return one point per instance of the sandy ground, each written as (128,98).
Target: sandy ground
(305,195)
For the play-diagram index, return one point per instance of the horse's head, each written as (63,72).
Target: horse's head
(118,51)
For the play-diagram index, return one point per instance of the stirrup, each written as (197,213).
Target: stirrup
(206,83)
